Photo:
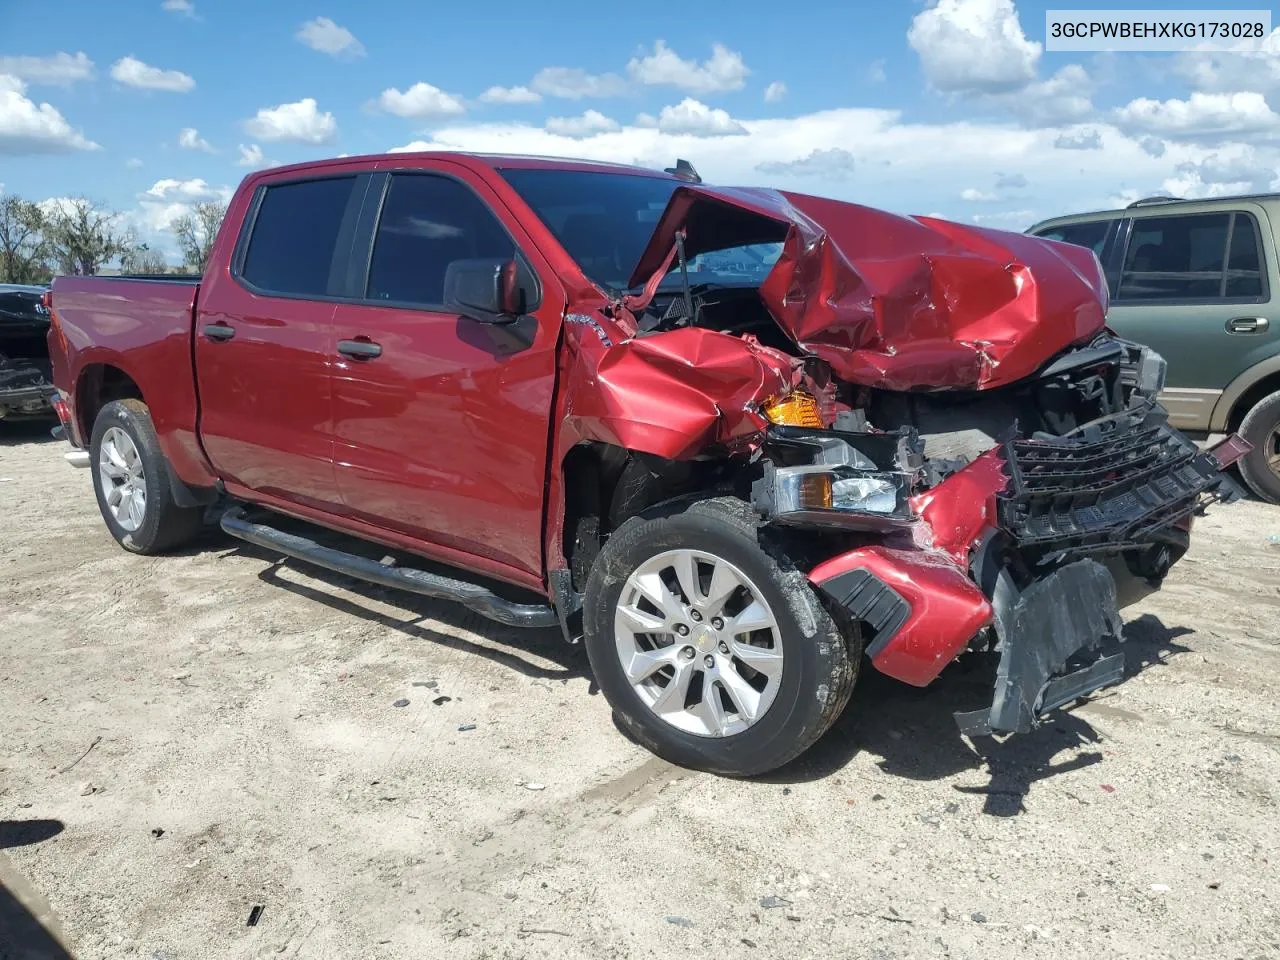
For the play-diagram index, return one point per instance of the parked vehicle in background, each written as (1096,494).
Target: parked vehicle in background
(1198,281)
(733,439)
(25,386)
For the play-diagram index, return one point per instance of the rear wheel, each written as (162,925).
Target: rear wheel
(1261,468)
(714,653)
(131,480)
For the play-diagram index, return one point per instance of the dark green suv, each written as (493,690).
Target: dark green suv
(1196,280)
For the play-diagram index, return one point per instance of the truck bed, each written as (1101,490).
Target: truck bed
(141,327)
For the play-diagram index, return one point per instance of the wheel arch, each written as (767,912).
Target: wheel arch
(96,386)
(1242,393)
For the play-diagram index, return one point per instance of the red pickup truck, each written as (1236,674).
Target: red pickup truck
(738,440)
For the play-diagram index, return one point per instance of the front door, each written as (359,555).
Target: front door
(441,422)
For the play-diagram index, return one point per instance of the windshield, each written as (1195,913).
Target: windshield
(604,221)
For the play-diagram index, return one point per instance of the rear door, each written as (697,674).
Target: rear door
(443,434)
(264,339)
(1194,286)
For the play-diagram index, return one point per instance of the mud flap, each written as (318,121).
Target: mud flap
(1068,617)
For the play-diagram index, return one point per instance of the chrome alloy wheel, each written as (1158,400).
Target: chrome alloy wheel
(698,643)
(1273,451)
(124,483)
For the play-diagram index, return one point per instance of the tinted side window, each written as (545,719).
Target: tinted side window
(1092,234)
(427,223)
(1175,258)
(295,234)
(1244,262)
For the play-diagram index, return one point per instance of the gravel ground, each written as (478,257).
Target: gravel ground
(247,745)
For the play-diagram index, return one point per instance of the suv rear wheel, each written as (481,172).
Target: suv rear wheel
(713,653)
(1261,468)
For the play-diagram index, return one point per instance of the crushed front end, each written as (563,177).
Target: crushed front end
(1026,543)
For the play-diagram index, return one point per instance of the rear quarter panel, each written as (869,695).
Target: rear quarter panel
(142,328)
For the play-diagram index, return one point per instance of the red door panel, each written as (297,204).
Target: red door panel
(443,436)
(264,338)
(265,396)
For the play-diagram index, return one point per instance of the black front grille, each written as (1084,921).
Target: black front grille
(1113,486)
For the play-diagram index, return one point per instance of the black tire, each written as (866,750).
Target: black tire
(819,668)
(164,524)
(1261,468)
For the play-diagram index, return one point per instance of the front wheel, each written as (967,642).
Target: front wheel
(714,653)
(131,480)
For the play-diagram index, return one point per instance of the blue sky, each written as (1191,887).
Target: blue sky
(948,107)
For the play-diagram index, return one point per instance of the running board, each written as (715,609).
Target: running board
(470,595)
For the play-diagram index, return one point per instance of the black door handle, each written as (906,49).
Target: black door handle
(219,331)
(359,349)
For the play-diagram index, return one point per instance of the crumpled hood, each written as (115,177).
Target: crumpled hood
(895,302)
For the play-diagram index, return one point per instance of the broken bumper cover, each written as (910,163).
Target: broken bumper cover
(1076,515)
(1052,639)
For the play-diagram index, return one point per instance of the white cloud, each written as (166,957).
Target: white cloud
(590,123)
(775,91)
(298,122)
(977,196)
(185,7)
(1210,116)
(875,72)
(1006,219)
(1079,140)
(1062,99)
(573,83)
(29,128)
(1010,181)
(416,146)
(973,46)
(900,166)
(325,36)
(189,139)
(693,117)
(1153,146)
(510,95)
(724,71)
(59,70)
(831,164)
(166,201)
(420,101)
(1233,170)
(134,73)
(251,156)
(194,190)
(133,163)
(1225,71)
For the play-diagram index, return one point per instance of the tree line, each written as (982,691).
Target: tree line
(81,236)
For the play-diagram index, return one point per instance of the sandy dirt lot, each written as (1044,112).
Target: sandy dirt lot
(247,750)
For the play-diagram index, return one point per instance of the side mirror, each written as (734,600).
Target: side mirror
(485,289)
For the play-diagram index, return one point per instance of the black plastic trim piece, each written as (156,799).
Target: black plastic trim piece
(1052,636)
(871,601)
(1119,483)
(471,595)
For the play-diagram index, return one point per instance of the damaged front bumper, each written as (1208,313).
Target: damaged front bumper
(1022,551)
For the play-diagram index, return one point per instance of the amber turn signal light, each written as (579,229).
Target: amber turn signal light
(797,409)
